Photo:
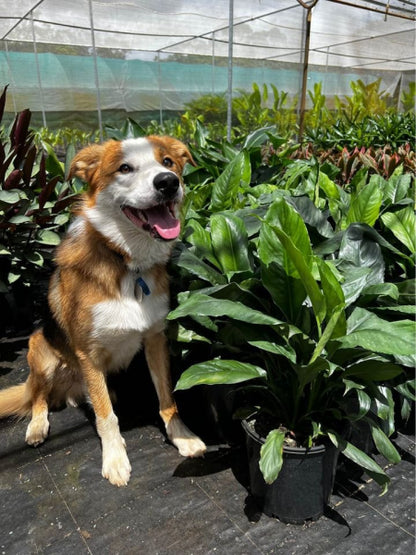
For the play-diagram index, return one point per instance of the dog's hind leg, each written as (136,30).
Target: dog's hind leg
(43,364)
(156,352)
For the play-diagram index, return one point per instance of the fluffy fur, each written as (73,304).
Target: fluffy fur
(100,314)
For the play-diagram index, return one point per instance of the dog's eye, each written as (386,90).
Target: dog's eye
(167,162)
(125,168)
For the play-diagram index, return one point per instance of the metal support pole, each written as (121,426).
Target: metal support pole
(213,64)
(6,48)
(159,86)
(35,50)
(305,70)
(230,68)
(97,82)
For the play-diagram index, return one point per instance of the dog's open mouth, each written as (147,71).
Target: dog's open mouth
(160,221)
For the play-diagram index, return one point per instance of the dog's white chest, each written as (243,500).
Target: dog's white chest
(120,324)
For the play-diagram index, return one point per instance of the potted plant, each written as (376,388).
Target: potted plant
(302,314)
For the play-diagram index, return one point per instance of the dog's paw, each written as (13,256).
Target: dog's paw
(37,430)
(190,447)
(187,443)
(116,466)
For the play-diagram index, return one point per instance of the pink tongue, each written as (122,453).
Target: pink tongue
(164,223)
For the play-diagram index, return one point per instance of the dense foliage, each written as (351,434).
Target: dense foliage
(301,287)
(34,203)
(295,274)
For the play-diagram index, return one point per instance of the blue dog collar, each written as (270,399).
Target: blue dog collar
(143,286)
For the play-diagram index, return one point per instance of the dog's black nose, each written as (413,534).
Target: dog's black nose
(166,183)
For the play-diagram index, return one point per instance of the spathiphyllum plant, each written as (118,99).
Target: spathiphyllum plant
(302,296)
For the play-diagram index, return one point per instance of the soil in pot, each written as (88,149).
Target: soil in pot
(304,485)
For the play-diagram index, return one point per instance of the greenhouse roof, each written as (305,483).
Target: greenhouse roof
(353,34)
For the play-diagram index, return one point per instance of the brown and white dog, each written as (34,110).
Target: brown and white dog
(108,296)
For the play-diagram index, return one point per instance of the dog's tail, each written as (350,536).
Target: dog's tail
(15,401)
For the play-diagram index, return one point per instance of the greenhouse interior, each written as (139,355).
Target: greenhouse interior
(276,234)
(78,61)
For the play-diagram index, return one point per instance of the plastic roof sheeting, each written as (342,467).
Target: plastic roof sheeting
(51,46)
(350,36)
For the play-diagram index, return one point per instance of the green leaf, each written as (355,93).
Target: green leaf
(330,189)
(370,332)
(199,304)
(304,271)
(334,298)
(187,336)
(199,268)
(213,372)
(257,138)
(9,197)
(384,445)
(48,237)
(12,277)
(53,165)
(283,216)
(364,403)
(3,250)
(35,258)
(230,242)
(278,274)
(285,350)
(361,261)
(373,370)
(403,225)
(307,373)
(19,219)
(200,239)
(360,458)
(61,219)
(70,154)
(271,456)
(382,290)
(365,206)
(397,187)
(237,174)
(337,313)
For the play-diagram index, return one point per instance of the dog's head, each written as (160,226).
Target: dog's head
(135,181)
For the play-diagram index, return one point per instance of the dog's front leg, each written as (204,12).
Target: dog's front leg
(156,352)
(116,466)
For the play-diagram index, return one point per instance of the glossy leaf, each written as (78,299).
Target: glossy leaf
(48,237)
(403,225)
(230,242)
(384,445)
(237,174)
(218,371)
(368,331)
(365,206)
(360,458)
(284,350)
(334,298)
(199,268)
(304,271)
(373,370)
(202,305)
(271,456)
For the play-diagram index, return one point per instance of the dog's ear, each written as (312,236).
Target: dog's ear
(187,156)
(85,163)
(181,151)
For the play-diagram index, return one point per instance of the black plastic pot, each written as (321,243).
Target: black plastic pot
(304,485)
